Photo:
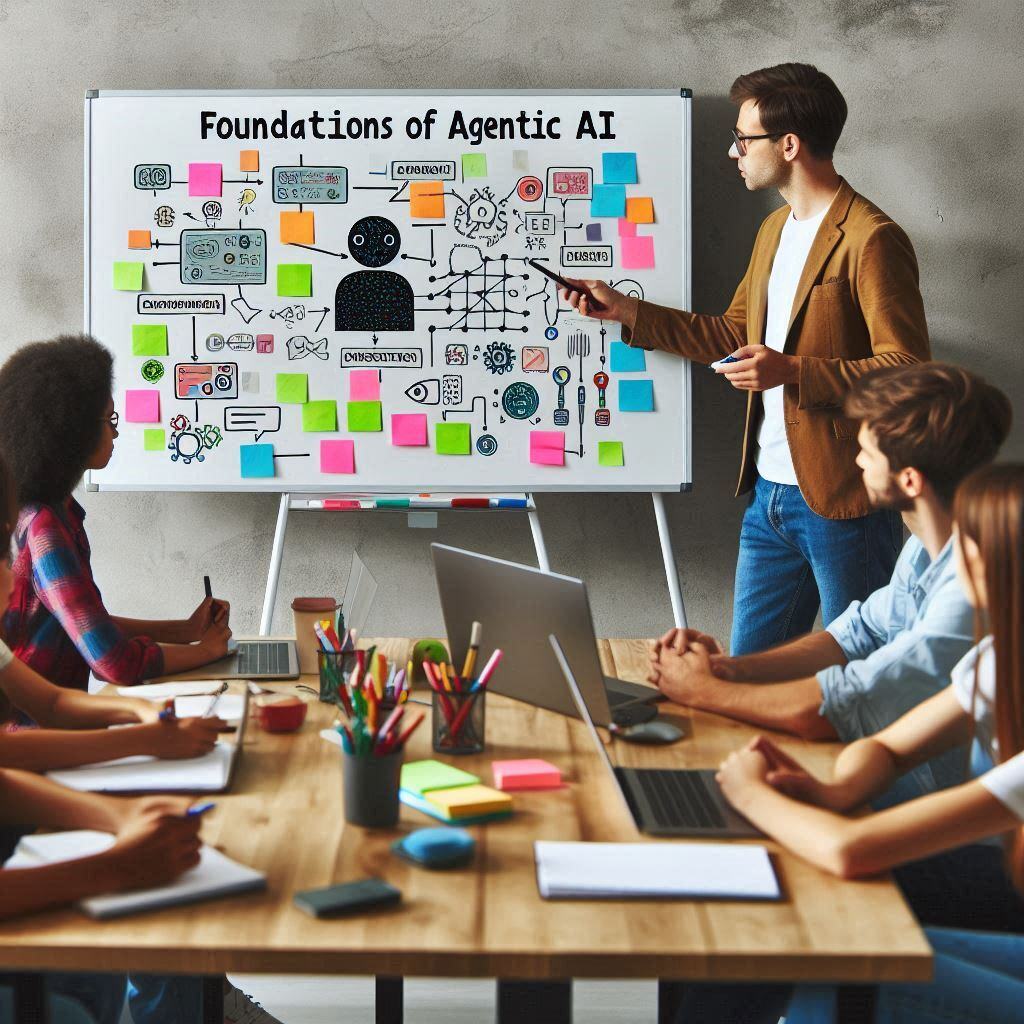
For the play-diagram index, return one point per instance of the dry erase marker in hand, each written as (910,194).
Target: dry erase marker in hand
(207,587)
(198,810)
(722,362)
(565,284)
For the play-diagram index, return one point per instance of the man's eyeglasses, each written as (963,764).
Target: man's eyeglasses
(113,419)
(742,140)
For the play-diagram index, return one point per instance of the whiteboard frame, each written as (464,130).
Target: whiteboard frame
(278,487)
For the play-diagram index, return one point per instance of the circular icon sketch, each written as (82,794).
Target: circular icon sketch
(520,400)
(482,217)
(499,357)
(152,370)
(486,444)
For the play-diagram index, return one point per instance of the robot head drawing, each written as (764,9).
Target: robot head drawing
(374,241)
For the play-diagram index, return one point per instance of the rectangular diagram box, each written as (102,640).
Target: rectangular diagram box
(179,305)
(154,176)
(404,358)
(539,223)
(224,256)
(206,380)
(423,170)
(586,256)
(313,185)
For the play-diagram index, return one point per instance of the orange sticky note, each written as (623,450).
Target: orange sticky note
(140,240)
(249,160)
(640,210)
(297,226)
(426,199)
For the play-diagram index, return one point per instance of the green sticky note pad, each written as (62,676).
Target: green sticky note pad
(128,276)
(154,440)
(149,339)
(474,165)
(365,416)
(452,438)
(295,279)
(292,388)
(609,453)
(421,777)
(320,416)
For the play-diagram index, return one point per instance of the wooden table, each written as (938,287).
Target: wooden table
(284,817)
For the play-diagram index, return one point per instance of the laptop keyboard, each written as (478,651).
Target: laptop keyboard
(678,798)
(263,658)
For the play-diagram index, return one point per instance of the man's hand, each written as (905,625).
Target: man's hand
(679,640)
(209,611)
(214,641)
(760,368)
(186,737)
(684,678)
(788,776)
(600,301)
(153,848)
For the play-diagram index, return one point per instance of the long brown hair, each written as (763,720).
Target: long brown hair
(989,508)
(8,520)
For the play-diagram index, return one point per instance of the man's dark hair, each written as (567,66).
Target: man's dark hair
(53,395)
(796,98)
(941,420)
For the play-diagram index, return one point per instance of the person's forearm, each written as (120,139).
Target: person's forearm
(163,631)
(73,709)
(863,769)
(25,890)
(40,750)
(795,659)
(27,798)
(182,657)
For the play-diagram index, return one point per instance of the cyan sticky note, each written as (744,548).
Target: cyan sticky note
(636,396)
(257,460)
(205,179)
(295,279)
(149,339)
(618,168)
(154,439)
(337,457)
(142,406)
(451,438)
(608,201)
(627,360)
(128,276)
(593,232)
(320,416)
(365,417)
(609,453)
(474,165)
(292,388)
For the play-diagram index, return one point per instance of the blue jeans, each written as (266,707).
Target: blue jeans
(164,999)
(792,560)
(74,998)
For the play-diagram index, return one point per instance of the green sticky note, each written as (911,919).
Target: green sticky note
(365,416)
(421,777)
(149,339)
(320,416)
(295,279)
(609,453)
(128,276)
(292,388)
(474,165)
(154,440)
(452,438)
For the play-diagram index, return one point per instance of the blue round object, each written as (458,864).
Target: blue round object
(437,847)
(551,333)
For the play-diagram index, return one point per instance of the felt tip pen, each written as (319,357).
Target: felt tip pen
(511,503)
(207,587)
(198,810)
(167,713)
(722,362)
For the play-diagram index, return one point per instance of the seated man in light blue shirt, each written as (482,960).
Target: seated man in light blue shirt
(923,428)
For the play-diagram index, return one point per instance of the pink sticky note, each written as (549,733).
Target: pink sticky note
(638,252)
(526,773)
(627,229)
(142,406)
(205,179)
(547,447)
(363,386)
(337,457)
(409,429)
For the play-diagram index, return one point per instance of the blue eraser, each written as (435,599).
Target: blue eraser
(437,847)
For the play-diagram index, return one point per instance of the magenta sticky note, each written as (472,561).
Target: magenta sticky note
(638,252)
(205,179)
(363,386)
(547,447)
(142,406)
(525,773)
(337,457)
(627,229)
(409,429)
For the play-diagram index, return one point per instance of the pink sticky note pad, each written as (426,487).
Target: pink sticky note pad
(337,457)
(547,447)
(363,386)
(205,179)
(627,229)
(142,406)
(526,773)
(637,252)
(409,429)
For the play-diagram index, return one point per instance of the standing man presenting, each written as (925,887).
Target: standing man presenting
(831,293)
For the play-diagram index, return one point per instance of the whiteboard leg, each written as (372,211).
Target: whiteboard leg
(538,538)
(274,572)
(671,569)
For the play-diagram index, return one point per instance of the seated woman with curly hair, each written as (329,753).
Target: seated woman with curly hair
(57,622)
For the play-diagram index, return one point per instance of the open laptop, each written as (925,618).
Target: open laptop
(518,606)
(663,801)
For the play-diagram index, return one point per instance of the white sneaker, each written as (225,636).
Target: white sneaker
(240,1009)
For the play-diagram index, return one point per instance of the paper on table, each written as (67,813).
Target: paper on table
(474,165)
(142,406)
(257,460)
(365,416)
(149,339)
(409,429)
(205,179)
(636,395)
(363,386)
(297,226)
(337,457)
(425,776)
(426,199)
(144,774)
(292,388)
(638,252)
(609,453)
(618,167)
(320,415)
(295,280)
(164,691)
(608,201)
(547,447)
(639,870)
(452,438)
(625,359)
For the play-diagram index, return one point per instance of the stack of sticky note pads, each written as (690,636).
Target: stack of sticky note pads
(451,795)
(526,773)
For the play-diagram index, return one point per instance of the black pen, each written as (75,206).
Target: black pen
(206,584)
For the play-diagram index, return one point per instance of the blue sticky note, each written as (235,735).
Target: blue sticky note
(593,232)
(636,396)
(626,359)
(608,201)
(618,168)
(257,460)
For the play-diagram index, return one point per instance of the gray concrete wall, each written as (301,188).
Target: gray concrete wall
(935,137)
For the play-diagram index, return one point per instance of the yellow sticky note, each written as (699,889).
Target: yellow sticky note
(640,209)
(140,240)
(297,227)
(426,199)
(249,160)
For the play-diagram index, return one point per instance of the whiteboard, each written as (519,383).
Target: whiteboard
(329,291)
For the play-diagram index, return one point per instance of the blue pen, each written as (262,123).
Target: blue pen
(196,810)
(512,503)
(168,714)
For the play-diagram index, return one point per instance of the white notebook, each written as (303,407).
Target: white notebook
(215,875)
(210,773)
(191,699)
(730,871)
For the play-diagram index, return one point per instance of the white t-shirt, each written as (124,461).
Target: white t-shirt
(1006,781)
(5,656)
(774,461)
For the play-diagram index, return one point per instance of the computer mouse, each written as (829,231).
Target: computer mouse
(653,733)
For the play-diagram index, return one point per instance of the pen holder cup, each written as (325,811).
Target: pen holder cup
(333,666)
(457,722)
(371,789)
